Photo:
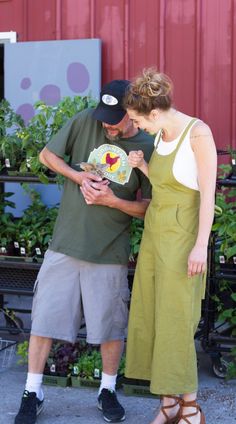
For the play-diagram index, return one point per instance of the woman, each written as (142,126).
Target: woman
(169,279)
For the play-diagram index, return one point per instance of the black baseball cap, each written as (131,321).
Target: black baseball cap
(110,108)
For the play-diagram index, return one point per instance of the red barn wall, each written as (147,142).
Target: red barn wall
(194,41)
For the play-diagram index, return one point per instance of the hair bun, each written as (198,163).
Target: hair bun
(150,90)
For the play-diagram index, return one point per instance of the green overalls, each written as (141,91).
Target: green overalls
(166,303)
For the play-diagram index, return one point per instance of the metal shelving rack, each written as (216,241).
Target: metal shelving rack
(216,338)
(17,277)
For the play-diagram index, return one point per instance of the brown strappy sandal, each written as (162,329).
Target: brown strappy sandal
(191,404)
(176,418)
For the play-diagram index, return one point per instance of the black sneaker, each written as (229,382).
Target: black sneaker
(30,408)
(112,410)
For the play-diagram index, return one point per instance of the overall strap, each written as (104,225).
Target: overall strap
(157,139)
(186,130)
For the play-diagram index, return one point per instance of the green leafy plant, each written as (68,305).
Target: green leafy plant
(89,365)
(225,258)
(231,371)
(40,129)
(62,356)
(225,223)
(11,124)
(20,145)
(30,235)
(121,370)
(6,224)
(136,231)
(22,351)
(37,223)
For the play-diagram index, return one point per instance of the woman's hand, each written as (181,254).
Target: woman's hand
(136,158)
(197,260)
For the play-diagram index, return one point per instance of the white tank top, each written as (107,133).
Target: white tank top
(185,165)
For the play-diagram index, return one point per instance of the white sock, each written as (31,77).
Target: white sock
(107,382)
(34,384)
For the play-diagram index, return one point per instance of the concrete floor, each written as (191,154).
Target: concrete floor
(71,405)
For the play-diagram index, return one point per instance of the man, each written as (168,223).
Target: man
(87,259)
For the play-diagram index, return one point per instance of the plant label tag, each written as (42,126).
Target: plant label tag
(16,244)
(53,368)
(28,163)
(96,373)
(22,251)
(38,251)
(75,370)
(222,259)
(233,162)
(3,250)
(234,260)
(7,163)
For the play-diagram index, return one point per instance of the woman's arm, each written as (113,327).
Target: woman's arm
(204,149)
(136,160)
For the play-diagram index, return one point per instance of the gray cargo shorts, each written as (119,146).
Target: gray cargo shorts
(68,289)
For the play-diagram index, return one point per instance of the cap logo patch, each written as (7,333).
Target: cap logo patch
(109,100)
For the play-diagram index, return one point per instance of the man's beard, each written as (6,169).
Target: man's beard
(110,137)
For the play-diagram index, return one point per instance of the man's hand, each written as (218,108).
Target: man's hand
(81,177)
(97,193)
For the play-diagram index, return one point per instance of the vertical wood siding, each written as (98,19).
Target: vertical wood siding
(194,41)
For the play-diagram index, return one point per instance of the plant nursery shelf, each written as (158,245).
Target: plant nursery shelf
(18,278)
(228,275)
(227,182)
(23,179)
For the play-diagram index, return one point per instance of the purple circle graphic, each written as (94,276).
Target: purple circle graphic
(77,77)
(50,94)
(26,111)
(25,83)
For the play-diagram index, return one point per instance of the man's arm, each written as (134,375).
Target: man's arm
(58,165)
(97,194)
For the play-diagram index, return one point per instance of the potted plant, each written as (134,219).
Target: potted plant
(35,227)
(44,233)
(136,231)
(87,370)
(57,370)
(22,352)
(224,229)
(224,225)
(6,226)
(11,152)
(40,129)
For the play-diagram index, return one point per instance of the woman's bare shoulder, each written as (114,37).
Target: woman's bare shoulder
(201,136)
(200,129)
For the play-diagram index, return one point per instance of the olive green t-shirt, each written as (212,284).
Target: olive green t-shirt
(94,233)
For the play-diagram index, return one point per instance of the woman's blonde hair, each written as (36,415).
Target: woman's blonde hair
(151,90)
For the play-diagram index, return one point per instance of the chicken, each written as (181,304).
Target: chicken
(111,161)
(95,168)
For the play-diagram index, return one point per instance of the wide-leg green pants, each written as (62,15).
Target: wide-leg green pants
(166,304)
